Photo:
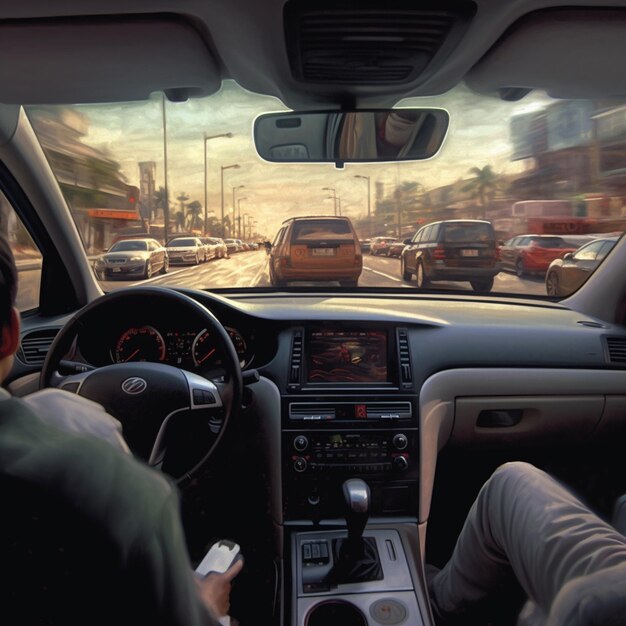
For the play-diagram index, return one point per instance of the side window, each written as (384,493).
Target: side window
(27,257)
(279,237)
(417,236)
(604,250)
(589,252)
(434,235)
(426,236)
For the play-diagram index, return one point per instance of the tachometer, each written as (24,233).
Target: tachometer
(205,352)
(240,345)
(144,343)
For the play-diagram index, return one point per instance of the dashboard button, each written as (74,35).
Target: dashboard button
(300,443)
(400,441)
(300,464)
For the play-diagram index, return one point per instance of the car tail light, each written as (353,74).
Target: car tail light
(497,253)
(439,253)
(358,260)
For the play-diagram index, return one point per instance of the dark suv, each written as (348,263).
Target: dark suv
(452,250)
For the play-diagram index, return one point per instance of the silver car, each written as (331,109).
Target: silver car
(132,257)
(186,250)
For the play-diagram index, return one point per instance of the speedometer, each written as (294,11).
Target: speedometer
(143,343)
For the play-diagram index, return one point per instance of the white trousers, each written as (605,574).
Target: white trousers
(570,563)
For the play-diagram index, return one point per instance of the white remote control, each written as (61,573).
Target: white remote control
(219,558)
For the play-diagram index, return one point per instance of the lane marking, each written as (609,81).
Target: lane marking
(257,278)
(369,269)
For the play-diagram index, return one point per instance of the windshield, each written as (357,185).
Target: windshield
(179,243)
(532,167)
(124,246)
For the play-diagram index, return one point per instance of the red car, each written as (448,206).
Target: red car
(395,249)
(379,245)
(532,254)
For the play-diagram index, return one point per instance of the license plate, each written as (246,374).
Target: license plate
(323,251)
(469,252)
(117,269)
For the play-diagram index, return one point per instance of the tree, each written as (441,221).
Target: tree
(194,208)
(483,185)
(182,197)
(160,201)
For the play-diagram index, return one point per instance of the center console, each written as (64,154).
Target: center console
(349,425)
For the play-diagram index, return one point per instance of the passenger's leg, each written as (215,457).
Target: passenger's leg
(525,522)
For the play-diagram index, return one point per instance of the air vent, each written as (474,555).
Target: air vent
(311,412)
(617,349)
(295,368)
(369,43)
(35,346)
(400,410)
(406,378)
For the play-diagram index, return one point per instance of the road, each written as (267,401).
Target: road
(249,269)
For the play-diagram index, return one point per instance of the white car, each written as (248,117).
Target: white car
(186,250)
(294,417)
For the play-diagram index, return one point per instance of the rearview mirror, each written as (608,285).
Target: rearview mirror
(350,136)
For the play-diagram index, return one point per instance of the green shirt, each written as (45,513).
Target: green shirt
(90,535)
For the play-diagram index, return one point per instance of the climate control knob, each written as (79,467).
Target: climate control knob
(400,464)
(300,464)
(400,441)
(300,443)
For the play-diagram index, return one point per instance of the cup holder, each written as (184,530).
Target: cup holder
(335,612)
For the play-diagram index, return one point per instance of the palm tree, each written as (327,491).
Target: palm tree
(160,200)
(194,209)
(483,185)
(182,197)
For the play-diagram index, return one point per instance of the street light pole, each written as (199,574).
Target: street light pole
(369,204)
(225,167)
(234,207)
(166,204)
(239,218)
(339,205)
(206,192)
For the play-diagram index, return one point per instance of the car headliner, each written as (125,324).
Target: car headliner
(118,50)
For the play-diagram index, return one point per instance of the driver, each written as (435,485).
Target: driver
(89,533)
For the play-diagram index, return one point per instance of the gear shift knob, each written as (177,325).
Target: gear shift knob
(356,493)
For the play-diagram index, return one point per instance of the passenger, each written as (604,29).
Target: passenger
(89,534)
(570,564)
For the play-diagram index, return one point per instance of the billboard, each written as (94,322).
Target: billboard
(569,124)
(528,135)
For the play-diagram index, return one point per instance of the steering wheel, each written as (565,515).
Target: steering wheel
(171,418)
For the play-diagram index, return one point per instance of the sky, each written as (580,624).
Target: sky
(129,133)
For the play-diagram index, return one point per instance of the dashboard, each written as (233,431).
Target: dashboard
(184,348)
(377,386)
(155,330)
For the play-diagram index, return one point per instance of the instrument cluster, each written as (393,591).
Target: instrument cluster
(189,349)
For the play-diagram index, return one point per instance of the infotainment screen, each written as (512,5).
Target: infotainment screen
(347,356)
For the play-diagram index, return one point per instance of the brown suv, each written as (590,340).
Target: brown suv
(452,250)
(320,248)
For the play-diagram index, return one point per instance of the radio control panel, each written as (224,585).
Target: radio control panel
(364,453)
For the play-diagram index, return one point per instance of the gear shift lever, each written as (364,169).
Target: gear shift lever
(356,558)
(357,497)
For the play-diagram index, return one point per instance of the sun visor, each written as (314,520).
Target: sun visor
(569,53)
(103,60)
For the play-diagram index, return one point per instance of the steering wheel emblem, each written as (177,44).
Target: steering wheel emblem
(134,385)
